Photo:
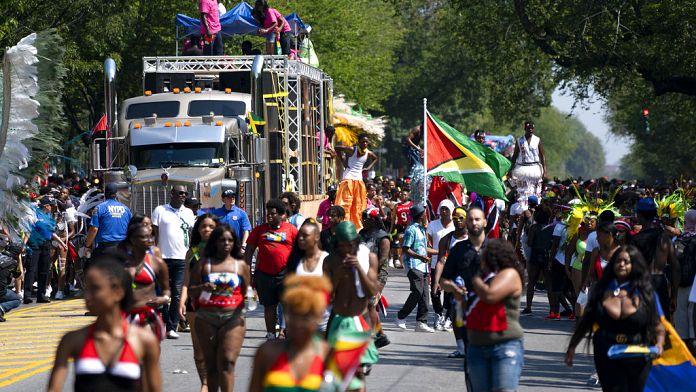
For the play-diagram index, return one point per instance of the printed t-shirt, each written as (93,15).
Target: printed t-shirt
(403,213)
(111,218)
(174,227)
(274,246)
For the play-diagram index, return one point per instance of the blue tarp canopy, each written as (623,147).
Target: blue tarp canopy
(238,20)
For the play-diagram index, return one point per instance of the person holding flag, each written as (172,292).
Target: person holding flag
(352,269)
(624,306)
(352,194)
(296,363)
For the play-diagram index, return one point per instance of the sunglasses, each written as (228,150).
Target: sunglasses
(181,193)
(458,218)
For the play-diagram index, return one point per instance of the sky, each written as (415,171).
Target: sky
(593,119)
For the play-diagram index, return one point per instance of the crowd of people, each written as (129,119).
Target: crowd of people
(605,252)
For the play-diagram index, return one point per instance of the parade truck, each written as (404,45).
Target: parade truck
(251,124)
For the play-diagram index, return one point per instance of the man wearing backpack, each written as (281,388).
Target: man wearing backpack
(685,250)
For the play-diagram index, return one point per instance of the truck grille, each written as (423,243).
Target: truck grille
(145,197)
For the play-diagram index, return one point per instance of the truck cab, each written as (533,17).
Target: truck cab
(212,124)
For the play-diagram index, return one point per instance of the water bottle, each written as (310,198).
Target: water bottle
(251,301)
(459,309)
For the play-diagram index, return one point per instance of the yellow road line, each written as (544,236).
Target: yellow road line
(25,352)
(44,365)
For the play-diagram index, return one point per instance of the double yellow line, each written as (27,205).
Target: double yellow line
(29,338)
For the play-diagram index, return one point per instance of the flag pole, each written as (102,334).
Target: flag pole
(425,153)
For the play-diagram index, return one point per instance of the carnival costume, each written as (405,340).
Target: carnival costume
(528,171)
(352,194)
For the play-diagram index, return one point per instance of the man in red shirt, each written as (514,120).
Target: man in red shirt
(274,240)
(401,217)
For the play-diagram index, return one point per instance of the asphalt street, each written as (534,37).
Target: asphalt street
(415,361)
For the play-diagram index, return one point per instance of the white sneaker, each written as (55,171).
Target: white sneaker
(49,290)
(423,327)
(439,323)
(172,335)
(401,324)
(20,295)
(447,325)
(60,295)
(391,263)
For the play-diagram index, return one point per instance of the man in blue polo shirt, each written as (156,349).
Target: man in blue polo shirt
(109,223)
(234,216)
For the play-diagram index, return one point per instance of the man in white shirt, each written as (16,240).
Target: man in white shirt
(436,230)
(171,226)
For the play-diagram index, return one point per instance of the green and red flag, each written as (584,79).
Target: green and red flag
(347,352)
(456,158)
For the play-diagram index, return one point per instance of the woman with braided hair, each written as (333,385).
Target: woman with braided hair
(296,363)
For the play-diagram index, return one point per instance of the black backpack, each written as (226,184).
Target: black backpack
(685,248)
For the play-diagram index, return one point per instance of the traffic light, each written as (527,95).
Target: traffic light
(646,113)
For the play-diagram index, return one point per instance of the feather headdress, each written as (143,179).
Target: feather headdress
(673,206)
(587,207)
(19,109)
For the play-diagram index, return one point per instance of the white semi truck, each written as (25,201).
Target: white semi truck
(250,124)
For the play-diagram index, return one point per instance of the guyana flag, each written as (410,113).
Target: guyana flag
(346,355)
(456,158)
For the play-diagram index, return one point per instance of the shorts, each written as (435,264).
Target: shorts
(339,325)
(558,277)
(147,317)
(269,287)
(271,37)
(219,319)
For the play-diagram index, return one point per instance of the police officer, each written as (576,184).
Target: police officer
(39,250)
(109,223)
(234,216)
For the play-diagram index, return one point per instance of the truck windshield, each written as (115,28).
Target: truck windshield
(219,108)
(176,154)
(161,109)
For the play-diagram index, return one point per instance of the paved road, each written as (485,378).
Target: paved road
(413,362)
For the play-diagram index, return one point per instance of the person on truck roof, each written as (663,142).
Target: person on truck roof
(274,26)
(210,28)
(234,216)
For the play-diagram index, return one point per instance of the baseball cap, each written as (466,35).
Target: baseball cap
(110,189)
(331,188)
(229,193)
(47,201)
(646,204)
(192,201)
(417,210)
(533,200)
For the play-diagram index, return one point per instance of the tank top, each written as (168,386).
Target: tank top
(403,213)
(146,275)
(529,151)
(513,331)
(91,374)
(318,270)
(600,263)
(280,378)
(228,289)
(454,240)
(355,165)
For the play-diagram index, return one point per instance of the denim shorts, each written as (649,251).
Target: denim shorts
(271,37)
(495,368)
